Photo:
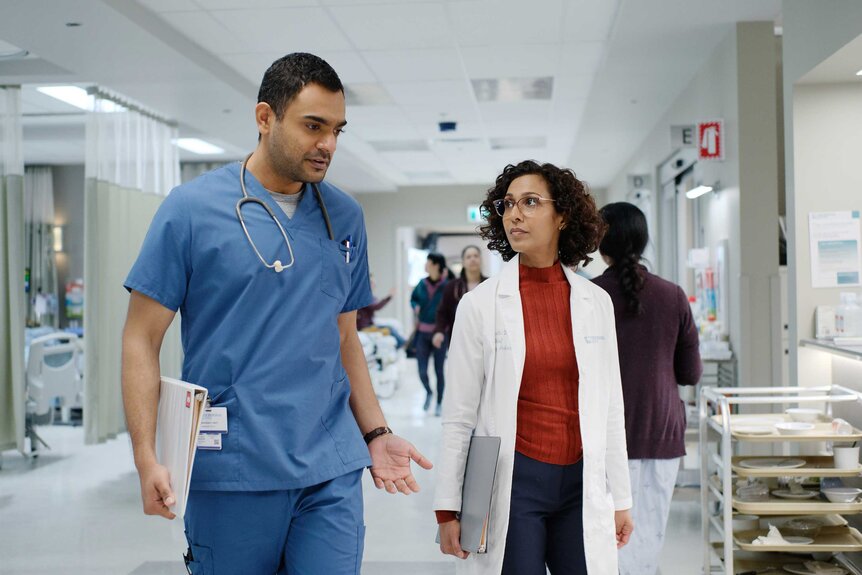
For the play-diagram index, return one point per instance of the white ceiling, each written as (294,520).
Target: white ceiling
(840,68)
(616,65)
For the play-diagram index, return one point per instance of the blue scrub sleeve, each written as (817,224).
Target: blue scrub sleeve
(360,284)
(163,267)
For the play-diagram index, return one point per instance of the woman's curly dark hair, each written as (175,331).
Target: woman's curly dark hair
(584,227)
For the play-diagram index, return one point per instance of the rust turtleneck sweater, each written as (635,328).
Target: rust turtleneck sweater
(548,422)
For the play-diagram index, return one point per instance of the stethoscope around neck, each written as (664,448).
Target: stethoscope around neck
(276,265)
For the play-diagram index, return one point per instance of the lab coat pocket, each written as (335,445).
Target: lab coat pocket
(335,269)
(223,465)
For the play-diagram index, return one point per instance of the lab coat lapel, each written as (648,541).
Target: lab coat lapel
(581,301)
(509,299)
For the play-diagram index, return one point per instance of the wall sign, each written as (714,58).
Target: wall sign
(835,249)
(710,140)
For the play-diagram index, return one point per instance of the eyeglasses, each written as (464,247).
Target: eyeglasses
(526,205)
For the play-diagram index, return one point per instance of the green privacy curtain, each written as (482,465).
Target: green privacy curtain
(131,166)
(42,297)
(12,300)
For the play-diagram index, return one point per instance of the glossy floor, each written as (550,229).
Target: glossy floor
(76,510)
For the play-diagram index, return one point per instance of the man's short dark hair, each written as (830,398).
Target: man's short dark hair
(288,75)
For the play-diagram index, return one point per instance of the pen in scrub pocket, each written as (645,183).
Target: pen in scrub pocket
(347,243)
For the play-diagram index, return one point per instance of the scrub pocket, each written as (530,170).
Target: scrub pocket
(223,465)
(202,560)
(335,270)
(340,424)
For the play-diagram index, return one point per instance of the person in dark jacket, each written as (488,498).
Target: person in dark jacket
(471,276)
(659,349)
(425,299)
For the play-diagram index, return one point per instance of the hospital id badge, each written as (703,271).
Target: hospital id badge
(214,420)
(209,441)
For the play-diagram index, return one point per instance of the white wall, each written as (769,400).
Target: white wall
(437,208)
(738,85)
(827,147)
(812,32)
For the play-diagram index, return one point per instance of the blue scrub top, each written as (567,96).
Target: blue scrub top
(266,345)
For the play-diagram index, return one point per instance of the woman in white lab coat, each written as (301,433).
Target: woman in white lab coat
(533,360)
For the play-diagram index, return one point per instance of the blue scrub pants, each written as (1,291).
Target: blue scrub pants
(546,525)
(311,531)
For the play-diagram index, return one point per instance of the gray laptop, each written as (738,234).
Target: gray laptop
(479,477)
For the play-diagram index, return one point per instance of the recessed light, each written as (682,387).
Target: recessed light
(198,146)
(859,73)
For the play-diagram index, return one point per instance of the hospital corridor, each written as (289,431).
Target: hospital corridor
(430,287)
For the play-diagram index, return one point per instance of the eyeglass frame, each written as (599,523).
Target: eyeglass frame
(500,203)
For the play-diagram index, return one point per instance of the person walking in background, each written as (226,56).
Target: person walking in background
(534,359)
(658,349)
(471,276)
(425,299)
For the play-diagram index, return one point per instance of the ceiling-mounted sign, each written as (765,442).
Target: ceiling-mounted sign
(683,136)
(710,140)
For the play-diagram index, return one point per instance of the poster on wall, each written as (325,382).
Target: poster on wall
(836,260)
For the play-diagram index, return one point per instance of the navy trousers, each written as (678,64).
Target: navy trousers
(545,519)
(424,350)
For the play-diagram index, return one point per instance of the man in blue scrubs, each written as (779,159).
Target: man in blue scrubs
(269,328)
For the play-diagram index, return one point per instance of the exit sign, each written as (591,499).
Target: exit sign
(474,214)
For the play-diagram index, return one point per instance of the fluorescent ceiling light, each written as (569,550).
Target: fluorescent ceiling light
(79,98)
(859,73)
(697,192)
(198,146)
(400,145)
(366,95)
(513,89)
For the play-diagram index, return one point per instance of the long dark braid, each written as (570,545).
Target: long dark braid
(624,243)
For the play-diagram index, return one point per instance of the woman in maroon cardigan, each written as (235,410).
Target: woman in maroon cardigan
(658,347)
(471,276)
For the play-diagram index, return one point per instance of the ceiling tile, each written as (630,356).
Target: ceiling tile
(436,95)
(169,5)
(499,22)
(515,113)
(206,31)
(589,20)
(413,161)
(284,29)
(249,4)
(394,26)
(581,59)
(516,60)
(348,65)
(415,65)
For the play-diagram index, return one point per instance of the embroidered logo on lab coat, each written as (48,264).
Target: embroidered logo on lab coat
(594,338)
(501,341)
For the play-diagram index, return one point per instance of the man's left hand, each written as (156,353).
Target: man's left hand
(390,464)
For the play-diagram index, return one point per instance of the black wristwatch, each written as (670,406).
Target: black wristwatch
(375,433)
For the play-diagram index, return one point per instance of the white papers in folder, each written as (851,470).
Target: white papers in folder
(180,409)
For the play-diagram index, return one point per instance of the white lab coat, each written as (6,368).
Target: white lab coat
(486,362)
